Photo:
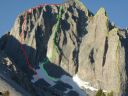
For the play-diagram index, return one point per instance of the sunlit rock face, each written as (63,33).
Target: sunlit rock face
(65,50)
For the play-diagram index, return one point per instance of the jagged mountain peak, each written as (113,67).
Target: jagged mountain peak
(65,50)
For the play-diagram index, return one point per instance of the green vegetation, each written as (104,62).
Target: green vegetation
(110,94)
(101,93)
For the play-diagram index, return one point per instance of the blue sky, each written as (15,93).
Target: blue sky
(117,10)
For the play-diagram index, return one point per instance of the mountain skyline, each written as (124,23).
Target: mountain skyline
(116,10)
(63,50)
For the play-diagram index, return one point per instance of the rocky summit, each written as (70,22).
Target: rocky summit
(64,50)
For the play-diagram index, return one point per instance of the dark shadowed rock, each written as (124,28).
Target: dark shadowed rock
(74,42)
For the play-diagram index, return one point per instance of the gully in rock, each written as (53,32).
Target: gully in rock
(55,42)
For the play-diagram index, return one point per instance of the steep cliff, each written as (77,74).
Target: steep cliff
(65,50)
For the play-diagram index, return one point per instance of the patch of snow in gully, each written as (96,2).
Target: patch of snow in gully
(66,79)
(69,80)
(76,83)
(83,84)
(42,75)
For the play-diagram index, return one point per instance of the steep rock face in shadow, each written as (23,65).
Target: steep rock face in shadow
(8,78)
(77,42)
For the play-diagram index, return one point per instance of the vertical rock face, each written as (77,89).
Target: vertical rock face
(74,41)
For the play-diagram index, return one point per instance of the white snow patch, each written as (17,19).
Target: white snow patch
(42,75)
(69,80)
(49,53)
(77,84)
(83,84)
(66,79)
